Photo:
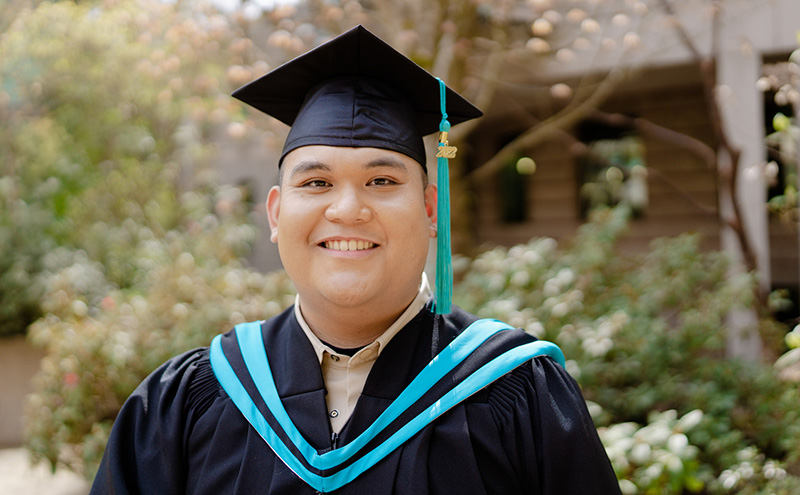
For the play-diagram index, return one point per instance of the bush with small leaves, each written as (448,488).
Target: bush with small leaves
(116,246)
(104,115)
(645,333)
(754,474)
(101,340)
(655,458)
(97,355)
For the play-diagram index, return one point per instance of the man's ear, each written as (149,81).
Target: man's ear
(431,208)
(273,209)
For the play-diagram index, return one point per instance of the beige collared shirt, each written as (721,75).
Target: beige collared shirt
(345,376)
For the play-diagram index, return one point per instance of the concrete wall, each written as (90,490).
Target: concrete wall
(252,160)
(19,362)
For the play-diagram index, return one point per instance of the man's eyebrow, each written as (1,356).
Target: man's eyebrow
(386,162)
(309,166)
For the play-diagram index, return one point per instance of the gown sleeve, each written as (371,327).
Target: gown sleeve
(145,451)
(550,440)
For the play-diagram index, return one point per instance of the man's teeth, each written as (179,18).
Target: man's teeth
(348,245)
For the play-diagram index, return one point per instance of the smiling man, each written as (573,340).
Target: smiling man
(370,383)
(352,227)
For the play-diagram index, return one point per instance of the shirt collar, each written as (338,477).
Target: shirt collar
(423,295)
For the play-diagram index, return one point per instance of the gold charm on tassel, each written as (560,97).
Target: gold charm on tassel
(445,150)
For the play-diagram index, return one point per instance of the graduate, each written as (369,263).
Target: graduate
(372,382)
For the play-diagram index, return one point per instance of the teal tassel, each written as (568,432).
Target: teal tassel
(444,263)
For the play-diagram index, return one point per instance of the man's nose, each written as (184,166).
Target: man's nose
(348,206)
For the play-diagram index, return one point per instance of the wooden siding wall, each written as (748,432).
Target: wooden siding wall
(784,249)
(677,181)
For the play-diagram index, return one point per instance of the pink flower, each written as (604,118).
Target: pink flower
(71,380)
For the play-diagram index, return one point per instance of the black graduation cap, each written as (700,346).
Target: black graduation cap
(355,91)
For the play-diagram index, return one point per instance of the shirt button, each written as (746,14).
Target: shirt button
(334,357)
(334,413)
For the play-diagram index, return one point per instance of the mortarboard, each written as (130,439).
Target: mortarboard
(358,91)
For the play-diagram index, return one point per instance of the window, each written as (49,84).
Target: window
(782,136)
(613,172)
(513,192)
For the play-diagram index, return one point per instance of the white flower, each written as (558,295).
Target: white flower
(654,471)
(573,369)
(532,257)
(677,443)
(535,328)
(640,453)
(627,487)
(673,463)
(79,308)
(565,277)
(541,27)
(729,479)
(690,420)
(520,279)
(560,310)
(551,288)
(180,311)
(185,260)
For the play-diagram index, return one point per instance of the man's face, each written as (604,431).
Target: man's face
(352,226)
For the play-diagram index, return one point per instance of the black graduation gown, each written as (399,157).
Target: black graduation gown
(528,432)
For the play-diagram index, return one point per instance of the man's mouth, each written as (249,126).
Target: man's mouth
(351,245)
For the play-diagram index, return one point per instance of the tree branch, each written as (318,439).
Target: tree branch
(566,118)
(656,132)
(727,175)
(483,99)
(703,151)
(679,28)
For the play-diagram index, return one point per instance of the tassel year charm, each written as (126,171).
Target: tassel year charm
(445,150)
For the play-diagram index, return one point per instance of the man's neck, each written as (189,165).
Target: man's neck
(340,329)
(349,327)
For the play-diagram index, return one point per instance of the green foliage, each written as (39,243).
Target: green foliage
(656,458)
(98,353)
(753,474)
(793,338)
(102,111)
(111,237)
(644,333)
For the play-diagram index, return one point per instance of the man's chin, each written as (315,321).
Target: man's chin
(344,292)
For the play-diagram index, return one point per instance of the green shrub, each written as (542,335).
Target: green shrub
(753,474)
(656,458)
(104,113)
(644,333)
(102,341)
(116,250)
(97,355)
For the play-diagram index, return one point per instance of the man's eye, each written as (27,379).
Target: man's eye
(383,181)
(316,183)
